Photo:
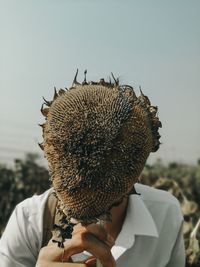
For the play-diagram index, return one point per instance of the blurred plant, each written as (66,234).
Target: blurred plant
(193,250)
(183,181)
(26,178)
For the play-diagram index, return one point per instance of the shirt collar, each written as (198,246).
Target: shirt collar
(138,221)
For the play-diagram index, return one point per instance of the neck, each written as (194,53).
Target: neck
(118,215)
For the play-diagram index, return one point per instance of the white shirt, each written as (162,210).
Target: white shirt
(151,235)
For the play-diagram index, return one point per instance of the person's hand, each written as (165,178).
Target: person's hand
(92,238)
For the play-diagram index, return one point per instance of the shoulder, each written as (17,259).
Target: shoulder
(156,195)
(167,217)
(33,205)
(161,204)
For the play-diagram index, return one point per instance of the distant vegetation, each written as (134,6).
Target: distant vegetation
(27,177)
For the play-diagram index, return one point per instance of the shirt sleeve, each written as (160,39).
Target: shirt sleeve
(16,248)
(177,258)
(22,239)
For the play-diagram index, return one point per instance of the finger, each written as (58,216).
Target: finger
(101,233)
(82,240)
(87,241)
(97,230)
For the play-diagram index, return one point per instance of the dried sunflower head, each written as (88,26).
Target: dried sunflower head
(97,137)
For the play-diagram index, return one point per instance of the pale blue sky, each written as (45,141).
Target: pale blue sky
(155,44)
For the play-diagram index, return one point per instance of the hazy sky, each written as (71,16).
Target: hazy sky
(155,44)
